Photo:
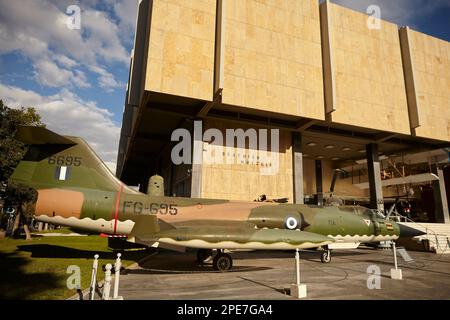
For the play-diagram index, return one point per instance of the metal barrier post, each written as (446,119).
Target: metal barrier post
(297,265)
(107,285)
(394,248)
(298,290)
(117,268)
(93,278)
(395,273)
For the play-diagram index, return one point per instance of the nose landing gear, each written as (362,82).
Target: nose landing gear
(203,255)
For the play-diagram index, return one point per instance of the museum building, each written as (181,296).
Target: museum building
(362,105)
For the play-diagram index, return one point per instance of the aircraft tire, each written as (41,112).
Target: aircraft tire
(203,254)
(222,262)
(325,257)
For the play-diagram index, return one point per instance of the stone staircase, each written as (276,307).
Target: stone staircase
(438,235)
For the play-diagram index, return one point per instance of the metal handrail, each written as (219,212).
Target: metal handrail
(427,230)
(425,227)
(432,233)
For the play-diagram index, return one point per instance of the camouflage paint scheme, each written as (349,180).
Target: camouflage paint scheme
(76,189)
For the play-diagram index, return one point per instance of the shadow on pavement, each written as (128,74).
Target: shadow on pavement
(60,252)
(185,269)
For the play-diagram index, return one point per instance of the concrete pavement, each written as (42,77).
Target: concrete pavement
(268,275)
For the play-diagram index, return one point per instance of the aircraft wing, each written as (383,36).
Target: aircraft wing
(414,179)
(360,199)
(230,235)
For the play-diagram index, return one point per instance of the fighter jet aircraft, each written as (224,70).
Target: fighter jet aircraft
(76,189)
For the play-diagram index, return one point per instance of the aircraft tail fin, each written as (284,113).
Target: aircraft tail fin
(40,136)
(55,161)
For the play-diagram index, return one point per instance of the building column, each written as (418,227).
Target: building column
(143,185)
(440,197)
(373,166)
(297,167)
(319,183)
(197,160)
(172,180)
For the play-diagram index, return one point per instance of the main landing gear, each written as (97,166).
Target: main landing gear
(203,255)
(222,262)
(325,257)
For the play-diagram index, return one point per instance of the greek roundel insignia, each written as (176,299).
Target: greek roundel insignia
(367,221)
(291,223)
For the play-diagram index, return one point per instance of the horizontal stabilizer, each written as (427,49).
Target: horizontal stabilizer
(145,226)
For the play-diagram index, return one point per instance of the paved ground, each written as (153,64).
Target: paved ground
(267,275)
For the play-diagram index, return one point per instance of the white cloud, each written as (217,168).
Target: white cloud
(104,37)
(65,61)
(49,74)
(68,114)
(126,10)
(37,29)
(80,79)
(106,79)
(112,166)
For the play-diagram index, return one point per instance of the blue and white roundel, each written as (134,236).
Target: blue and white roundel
(291,223)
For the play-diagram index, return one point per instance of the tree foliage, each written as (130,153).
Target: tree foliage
(18,193)
(11,150)
(23,198)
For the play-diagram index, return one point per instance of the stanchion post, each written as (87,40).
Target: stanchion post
(297,265)
(394,248)
(117,268)
(298,290)
(93,278)
(395,273)
(107,285)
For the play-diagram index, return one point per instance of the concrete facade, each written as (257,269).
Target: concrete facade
(181,52)
(273,64)
(428,79)
(243,180)
(366,71)
(316,72)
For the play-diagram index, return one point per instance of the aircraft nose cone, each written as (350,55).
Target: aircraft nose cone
(408,232)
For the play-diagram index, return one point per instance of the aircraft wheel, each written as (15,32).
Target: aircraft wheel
(203,254)
(222,262)
(326,256)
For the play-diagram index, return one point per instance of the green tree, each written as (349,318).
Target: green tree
(11,152)
(22,198)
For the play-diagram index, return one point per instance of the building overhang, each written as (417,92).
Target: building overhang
(160,114)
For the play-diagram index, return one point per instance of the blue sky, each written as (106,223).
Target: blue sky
(428,16)
(77,78)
